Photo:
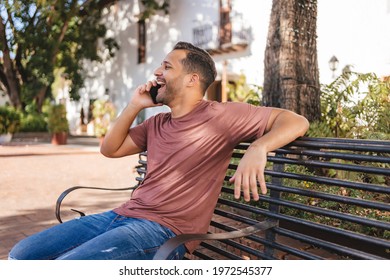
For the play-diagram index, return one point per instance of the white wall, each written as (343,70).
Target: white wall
(4,98)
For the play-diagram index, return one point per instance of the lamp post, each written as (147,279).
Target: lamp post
(333,64)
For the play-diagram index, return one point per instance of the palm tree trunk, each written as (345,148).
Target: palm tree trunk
(291,78)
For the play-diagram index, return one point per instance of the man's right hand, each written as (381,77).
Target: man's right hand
(141,98)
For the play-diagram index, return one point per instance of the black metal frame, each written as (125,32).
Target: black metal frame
(313,153)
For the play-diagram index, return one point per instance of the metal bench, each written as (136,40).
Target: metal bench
(328,199)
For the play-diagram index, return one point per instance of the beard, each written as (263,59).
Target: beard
(168,95)
(169,91)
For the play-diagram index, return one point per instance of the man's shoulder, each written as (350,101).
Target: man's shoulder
(233,105)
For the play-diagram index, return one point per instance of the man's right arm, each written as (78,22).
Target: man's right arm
(117,142)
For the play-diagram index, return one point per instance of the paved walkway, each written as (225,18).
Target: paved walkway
(33,175)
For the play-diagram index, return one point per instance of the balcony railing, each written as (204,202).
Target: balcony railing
(203,35)
(206,36)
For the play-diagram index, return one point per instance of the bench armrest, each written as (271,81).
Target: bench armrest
(66,192)
(169,246)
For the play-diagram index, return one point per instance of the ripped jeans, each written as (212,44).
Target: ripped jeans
(105,236)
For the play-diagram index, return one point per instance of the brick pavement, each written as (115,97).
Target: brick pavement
(33,175)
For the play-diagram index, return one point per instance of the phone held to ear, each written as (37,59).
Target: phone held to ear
(153,93)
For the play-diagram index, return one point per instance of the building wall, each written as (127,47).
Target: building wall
(4,100)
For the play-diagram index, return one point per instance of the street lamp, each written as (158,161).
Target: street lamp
(333,64)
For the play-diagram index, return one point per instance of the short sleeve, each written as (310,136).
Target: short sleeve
(246,121)
(139,135)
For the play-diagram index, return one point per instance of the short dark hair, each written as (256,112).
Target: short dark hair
(200,61)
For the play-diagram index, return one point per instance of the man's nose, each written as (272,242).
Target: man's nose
(157,72)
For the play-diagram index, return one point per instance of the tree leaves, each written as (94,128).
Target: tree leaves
(355,105)
(45,35)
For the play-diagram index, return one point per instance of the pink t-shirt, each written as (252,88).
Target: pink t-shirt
(187,162)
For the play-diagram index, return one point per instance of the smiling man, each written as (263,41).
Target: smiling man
(188,154)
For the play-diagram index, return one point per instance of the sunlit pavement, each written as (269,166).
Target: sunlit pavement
(33,175)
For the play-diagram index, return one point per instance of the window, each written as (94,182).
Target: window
(141,41)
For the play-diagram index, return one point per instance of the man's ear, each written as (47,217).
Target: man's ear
(194,80)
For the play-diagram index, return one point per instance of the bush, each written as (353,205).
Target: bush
(9,120)
(104,113)
(241,91)
(32,120)
(355,105)
(33,123)
(57,121)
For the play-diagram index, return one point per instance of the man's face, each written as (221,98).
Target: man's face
(170,76)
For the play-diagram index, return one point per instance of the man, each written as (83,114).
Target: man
(188,154)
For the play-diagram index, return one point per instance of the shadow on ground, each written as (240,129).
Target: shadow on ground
(16,227)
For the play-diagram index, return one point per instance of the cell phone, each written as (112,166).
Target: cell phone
(153,93)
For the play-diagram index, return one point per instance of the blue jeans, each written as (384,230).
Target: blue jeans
(105,236)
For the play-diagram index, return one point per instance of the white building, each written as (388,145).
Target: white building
(355,31)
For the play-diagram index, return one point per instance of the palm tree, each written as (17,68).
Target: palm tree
(291,78)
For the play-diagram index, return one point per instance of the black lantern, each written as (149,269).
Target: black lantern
(333,64)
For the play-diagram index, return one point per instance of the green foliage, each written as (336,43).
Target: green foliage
(152,6)
(103,113)
(355,105)
(57,121)
(9,120)
(240,91)
(32,120)
(45,35)
(33,123)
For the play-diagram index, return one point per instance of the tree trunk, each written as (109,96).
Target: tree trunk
(8,75)
(40,97)
(291,78)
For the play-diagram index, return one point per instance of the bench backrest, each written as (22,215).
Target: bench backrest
(330,198)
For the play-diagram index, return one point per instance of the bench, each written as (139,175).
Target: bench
(328,199)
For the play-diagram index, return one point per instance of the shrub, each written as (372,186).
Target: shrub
(33,123)
(9,120)
(241,91)
(103,113)
(355,105)
(57,121)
